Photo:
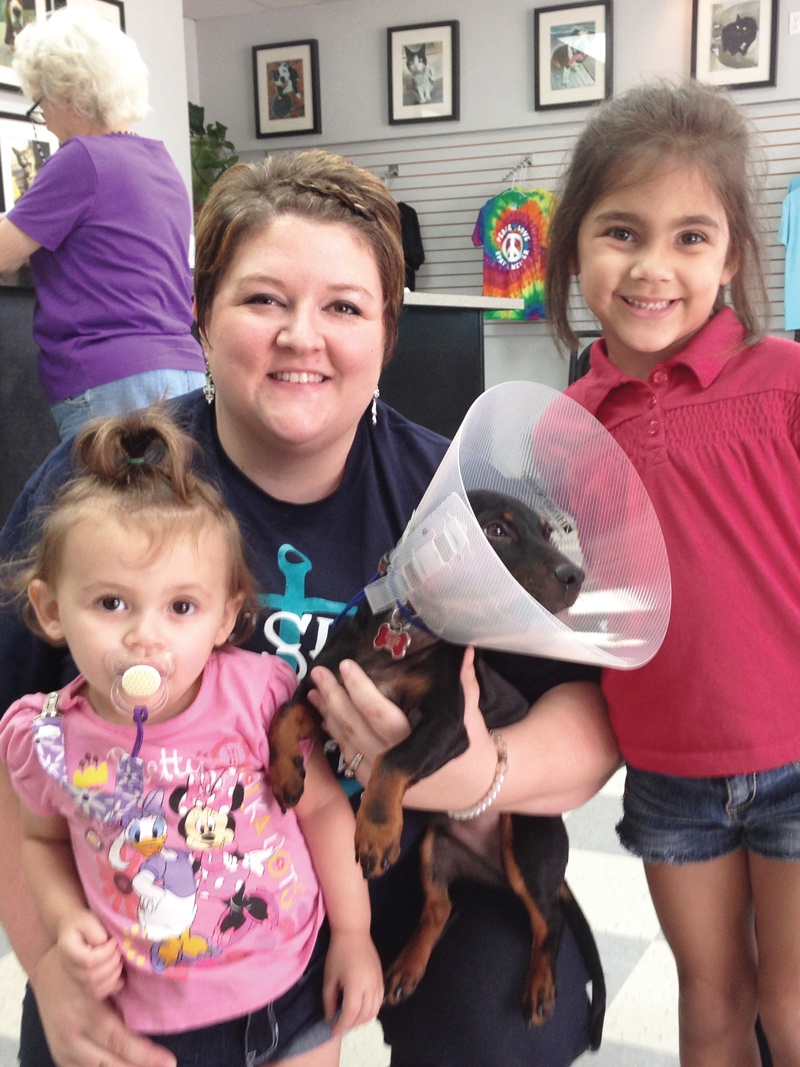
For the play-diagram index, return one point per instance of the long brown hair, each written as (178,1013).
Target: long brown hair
(136,468)
(624,142)
(312,185)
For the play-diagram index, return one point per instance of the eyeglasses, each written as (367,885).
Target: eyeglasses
(35,113)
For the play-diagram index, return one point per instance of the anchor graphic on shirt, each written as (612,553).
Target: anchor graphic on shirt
(293,611)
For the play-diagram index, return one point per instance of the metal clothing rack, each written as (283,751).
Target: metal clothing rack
(526,161)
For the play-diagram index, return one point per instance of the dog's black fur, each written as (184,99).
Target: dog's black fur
(529,853)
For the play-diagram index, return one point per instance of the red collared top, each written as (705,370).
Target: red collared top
(714,435)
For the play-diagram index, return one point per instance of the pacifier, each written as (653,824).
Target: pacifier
(141,688)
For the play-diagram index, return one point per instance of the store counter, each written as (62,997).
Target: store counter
(27,431)
(437,370)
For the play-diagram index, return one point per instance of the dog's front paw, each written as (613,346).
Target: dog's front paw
(540,993)
(286,775)
(402,978)
(377,845)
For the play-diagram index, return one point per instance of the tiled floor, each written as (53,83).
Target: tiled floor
(641,1022)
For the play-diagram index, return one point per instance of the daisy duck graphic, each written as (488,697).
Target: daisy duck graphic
(206,804)
(165,884)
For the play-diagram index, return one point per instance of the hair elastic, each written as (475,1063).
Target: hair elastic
(136,459)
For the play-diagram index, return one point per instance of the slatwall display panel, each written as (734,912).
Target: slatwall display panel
(447,178)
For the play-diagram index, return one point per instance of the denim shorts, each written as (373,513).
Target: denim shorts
(125,394)
(290,1025)
(690,820)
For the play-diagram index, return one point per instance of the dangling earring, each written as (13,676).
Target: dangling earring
(375,396)
(209,389)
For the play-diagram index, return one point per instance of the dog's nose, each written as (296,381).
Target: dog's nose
(568,574)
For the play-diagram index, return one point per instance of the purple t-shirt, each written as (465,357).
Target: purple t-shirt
(113,284)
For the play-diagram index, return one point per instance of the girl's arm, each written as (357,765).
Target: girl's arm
(81,1031)
(352,966)
(559,755)
(89,954)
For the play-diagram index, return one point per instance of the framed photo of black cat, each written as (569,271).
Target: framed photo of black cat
(735,44)
(423,73)
(286,84)
(572,55)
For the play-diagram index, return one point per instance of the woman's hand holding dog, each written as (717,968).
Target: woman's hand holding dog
(559,755)
(361,719)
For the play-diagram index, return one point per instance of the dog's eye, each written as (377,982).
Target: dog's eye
(547,531)
(495,529)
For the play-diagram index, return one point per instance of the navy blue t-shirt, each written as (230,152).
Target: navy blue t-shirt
(309,559)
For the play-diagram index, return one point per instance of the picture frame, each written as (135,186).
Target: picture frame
(573,55)
(286,85)
(113,10)
(735,45)
(423,67)
(23,148)
(31,11)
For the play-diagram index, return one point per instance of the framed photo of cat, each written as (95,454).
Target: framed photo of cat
(286,83)
(572,55)
(735,44)
(423,73)
(24,146)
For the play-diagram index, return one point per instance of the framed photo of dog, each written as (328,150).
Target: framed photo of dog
(423,73)
(286,80)
(23,149)
(572,47)
(14,17)
(735,45)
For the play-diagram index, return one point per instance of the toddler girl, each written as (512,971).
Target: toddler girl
(153,845)
(657,217)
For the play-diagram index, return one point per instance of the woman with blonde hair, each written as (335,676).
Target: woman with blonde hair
(106,227)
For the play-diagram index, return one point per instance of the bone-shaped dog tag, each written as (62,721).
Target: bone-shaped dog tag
(394,641)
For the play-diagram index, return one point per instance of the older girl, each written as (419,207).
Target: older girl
(657,217)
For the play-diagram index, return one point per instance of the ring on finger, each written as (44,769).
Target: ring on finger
(353,765)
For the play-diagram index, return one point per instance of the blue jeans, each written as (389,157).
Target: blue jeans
(692,820)
(290,1025)
(126,394)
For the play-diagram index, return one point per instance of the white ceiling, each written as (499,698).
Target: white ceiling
(207,9)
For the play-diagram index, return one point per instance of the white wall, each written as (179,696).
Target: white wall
(650,37)
(157,28)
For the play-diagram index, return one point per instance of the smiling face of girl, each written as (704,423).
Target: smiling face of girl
(651,258)
(295,345)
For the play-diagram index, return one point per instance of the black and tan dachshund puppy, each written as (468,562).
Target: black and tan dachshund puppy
(420,673)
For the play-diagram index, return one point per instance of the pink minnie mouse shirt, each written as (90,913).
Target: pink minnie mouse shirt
(183,853)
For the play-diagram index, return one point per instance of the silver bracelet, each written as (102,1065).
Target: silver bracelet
(494,788)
